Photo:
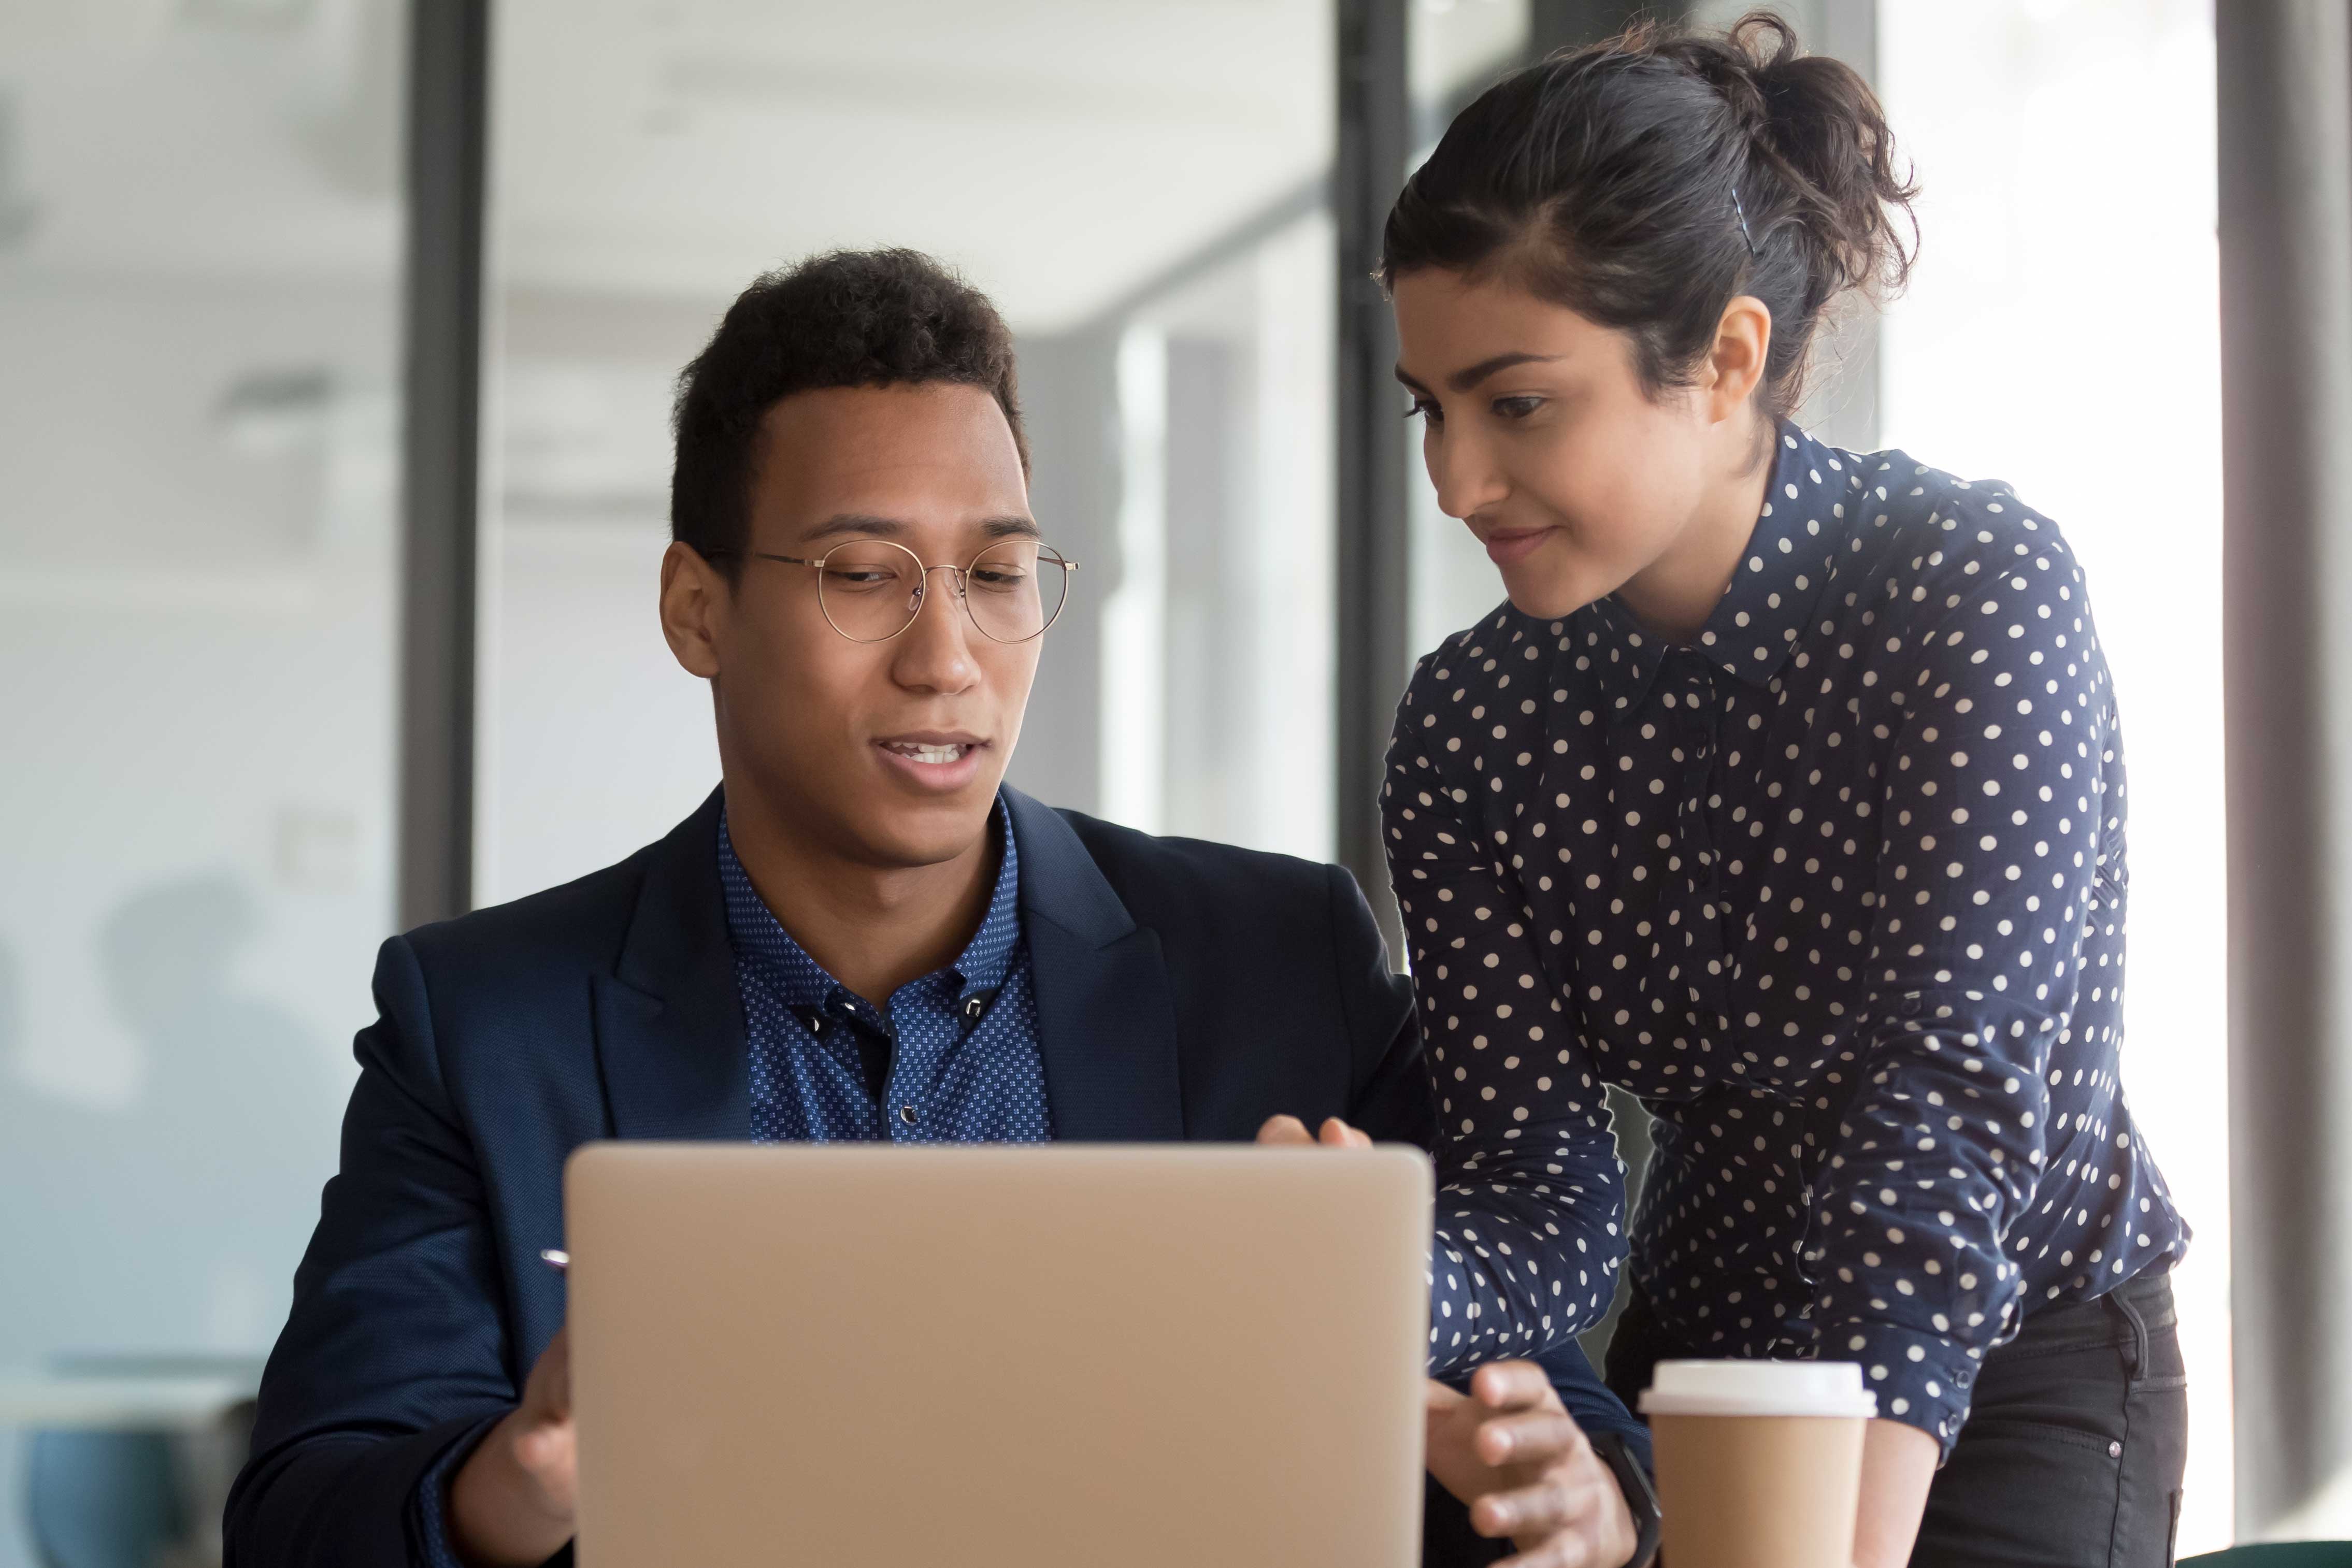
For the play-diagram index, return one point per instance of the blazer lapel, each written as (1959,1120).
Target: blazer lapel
(669,1019)
(1106,1016)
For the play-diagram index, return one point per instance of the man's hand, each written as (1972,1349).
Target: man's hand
(1290,1130)
(512,1503)
(1511,1451)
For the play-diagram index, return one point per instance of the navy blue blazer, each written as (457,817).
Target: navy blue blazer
(1184,990)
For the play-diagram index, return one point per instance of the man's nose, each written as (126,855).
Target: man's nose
(935,654)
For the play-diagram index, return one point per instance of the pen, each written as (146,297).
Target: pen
(558,1261)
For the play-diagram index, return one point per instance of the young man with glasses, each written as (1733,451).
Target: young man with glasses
(862,935)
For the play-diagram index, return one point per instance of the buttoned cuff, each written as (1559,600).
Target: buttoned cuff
(429,1518)
(1922,1379)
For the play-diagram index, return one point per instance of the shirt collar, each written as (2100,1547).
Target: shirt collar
(1754,626)
(800,980)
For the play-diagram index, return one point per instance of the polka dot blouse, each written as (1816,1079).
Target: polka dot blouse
(1838,891)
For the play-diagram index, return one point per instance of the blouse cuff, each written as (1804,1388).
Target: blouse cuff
(1922,1379)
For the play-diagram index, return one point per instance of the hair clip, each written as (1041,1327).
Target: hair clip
(1742,213)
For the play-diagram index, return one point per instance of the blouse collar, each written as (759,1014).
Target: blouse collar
(1779,581)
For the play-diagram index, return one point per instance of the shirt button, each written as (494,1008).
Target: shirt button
(907,1114)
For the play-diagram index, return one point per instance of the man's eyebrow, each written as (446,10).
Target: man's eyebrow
(867,525)
(1464,380)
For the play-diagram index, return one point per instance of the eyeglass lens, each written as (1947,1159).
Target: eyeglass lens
(871,590)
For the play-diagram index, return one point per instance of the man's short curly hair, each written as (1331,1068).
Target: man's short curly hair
(847,318)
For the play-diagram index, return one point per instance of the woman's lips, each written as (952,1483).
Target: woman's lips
(1507,545)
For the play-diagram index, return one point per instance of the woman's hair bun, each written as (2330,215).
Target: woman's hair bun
(1818,123)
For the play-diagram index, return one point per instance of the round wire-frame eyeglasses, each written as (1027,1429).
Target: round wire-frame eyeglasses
(859,586)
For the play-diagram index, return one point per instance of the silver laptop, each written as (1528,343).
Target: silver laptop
(1159,1356)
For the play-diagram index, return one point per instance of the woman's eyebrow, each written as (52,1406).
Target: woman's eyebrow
(1464,379)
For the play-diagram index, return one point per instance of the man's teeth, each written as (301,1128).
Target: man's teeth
(936,754)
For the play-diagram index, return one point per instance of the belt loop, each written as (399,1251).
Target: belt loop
(2135,1349)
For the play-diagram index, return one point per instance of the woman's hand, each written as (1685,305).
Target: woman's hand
(1511,1451)
(1898,1464)
(1290,1130)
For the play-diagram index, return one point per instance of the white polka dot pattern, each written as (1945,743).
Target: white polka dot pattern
(1839,890)
(952,1077)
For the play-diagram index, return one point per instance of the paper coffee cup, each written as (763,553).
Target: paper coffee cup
(1760,1462)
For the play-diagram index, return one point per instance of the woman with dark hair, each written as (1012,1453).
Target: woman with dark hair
(1786,793)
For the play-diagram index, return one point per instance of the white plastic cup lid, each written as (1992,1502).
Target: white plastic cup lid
(1832,1388)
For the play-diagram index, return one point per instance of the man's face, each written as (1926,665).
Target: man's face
(888,753)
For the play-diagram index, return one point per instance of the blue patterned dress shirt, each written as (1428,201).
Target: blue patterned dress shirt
(962,1060)
(957,1053)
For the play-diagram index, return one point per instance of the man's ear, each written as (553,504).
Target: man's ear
(1735,366)
(695,599)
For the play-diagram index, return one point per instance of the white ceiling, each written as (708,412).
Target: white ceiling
(248,139)
(1059,151)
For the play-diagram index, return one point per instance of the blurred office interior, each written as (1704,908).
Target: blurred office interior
(337,341)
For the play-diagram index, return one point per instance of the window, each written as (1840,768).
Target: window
(2065,152)
(1458,50)
(200,252)
(1137,187)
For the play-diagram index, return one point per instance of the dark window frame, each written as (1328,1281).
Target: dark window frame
(447,136)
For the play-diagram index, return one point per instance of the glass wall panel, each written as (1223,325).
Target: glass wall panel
(200,242)
(1216,693)
(1455,49)
(1459,48)
(1140,188)
(2066,156)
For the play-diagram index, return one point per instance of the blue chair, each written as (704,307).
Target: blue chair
(133,1496)
(103,1499)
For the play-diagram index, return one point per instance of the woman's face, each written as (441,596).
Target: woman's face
(1539,435)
